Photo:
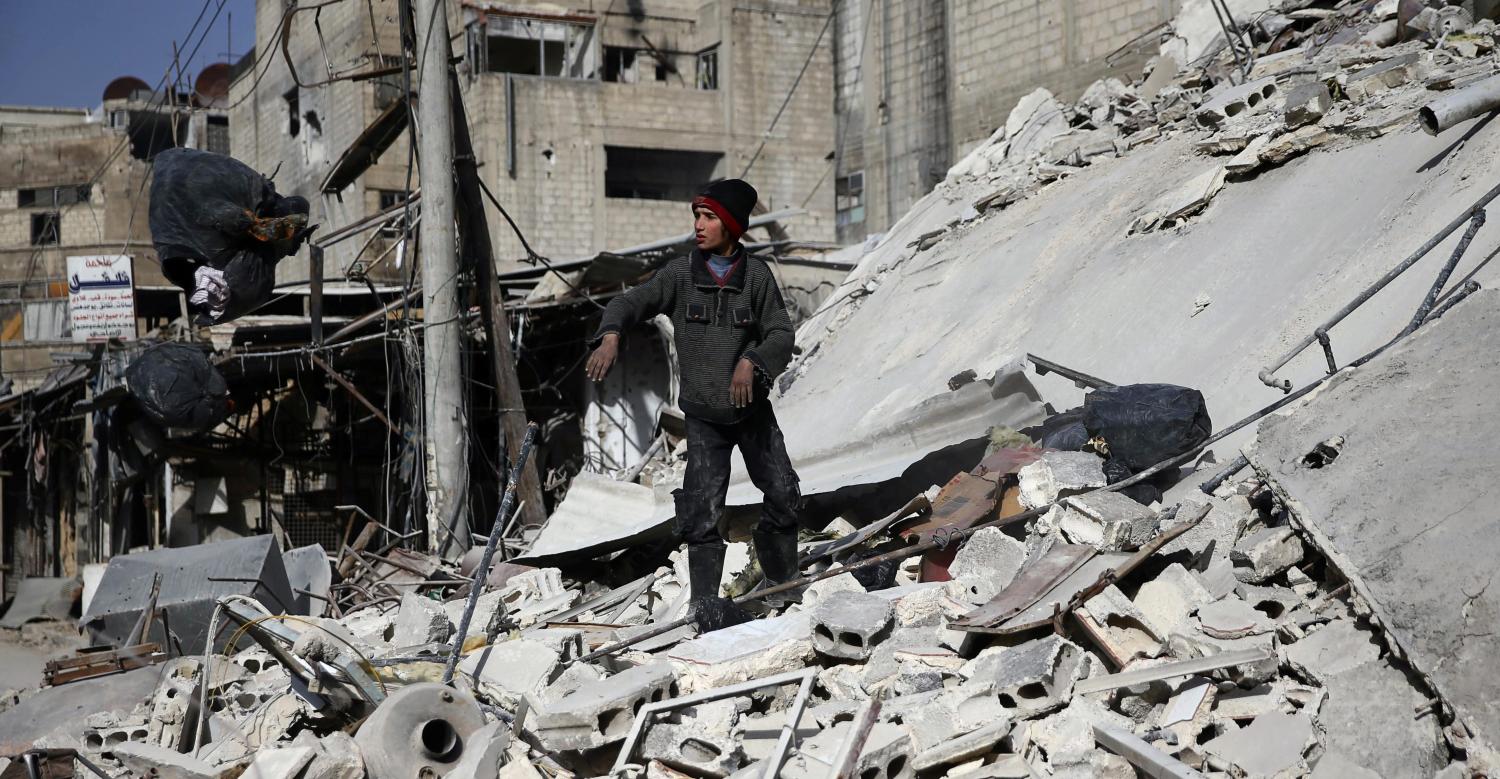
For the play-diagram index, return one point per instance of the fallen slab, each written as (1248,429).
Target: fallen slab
(1403,505)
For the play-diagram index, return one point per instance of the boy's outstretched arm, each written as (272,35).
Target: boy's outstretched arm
(647,300)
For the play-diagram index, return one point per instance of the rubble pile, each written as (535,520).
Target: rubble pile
(1100,639)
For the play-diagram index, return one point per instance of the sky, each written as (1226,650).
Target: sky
(64,52)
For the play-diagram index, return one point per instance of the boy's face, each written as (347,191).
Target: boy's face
(709,232)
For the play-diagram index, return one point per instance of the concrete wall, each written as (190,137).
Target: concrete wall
(260,122)
(921,83)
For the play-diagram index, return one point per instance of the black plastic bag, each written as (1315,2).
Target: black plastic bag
(1143,424)
(211,210)
(1063,431)
(176,386)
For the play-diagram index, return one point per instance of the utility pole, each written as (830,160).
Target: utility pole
(446,450)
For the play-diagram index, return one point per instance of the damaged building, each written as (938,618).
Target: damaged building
(1151,439)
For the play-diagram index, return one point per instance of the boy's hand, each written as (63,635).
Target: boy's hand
(603,358)
(742,388)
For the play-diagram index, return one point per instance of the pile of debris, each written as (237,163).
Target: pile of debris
(1099,637)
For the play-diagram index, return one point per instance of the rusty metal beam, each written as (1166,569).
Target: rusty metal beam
(359,396)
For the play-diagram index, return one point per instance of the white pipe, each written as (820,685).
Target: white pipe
(1467,103)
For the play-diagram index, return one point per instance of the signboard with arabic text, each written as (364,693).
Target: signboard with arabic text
(101,297)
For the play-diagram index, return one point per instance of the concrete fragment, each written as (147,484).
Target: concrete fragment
(420,621)
(1384,76)
(1232,618)
(1307,103)
(1059,474)
(1068,736)
(507,671)
(886,754)
(1248,159)
(1334,648)
(1030,678)
(753,650)
(1169,599)
(1182,202)
(844,582)
(704,744)
(1264,554)
(1236,101)
(847,625)
(325,640)
(1107,521)
(282,763)
(1285,147)
(489,611)
(1187,711)
(987,563)
(1416,547)
(335,756)
(307,569)
(1032,124)
(1227,519)
(1271,746)
(601,713)
(1334,765)
(1123,627)
(162,763)
(962,748)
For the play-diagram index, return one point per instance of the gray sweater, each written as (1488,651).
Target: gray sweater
(714,326)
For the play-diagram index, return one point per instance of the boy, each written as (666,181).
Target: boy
(733,337)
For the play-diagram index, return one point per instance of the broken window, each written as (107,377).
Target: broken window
(708,68)
(849,199)
(53,197)
(293,112)
(218,135)
(390,198)
(619,64)
(152,132)
(536,47)
(657,174)
(46,228)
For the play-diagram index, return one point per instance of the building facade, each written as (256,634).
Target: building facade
(919,83)
(593,123)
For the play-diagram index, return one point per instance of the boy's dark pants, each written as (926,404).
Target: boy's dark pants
(700,502)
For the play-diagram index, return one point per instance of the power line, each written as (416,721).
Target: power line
(787,101)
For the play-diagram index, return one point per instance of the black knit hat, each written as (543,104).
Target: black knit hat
(731,200)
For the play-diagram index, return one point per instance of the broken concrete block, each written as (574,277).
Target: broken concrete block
(282,763)
(532,587)
(843,683)
(752,650)
(1168,600)
(704,744)
(1384,76)
(420,621)
(1227,519)
(489,611)
(601,713)
(1120,626)
(917,604)
(1107,521)
(1029,678)
(154,761)
(847,625)
(1236,101)
(1182,202)
(1232,618)
(1248,159)
(1186,713)
(844,582)
(987,563)
(886,754)
(1059,474)
(1262,555)
(1337,766)
(1368,700)
(335,756)
(1068,736)
(509,670)
(962,748)
(1307,103)
(1285,147)
(1271,746)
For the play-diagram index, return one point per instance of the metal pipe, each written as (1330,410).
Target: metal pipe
(1463,292)
(1235,466)
(1460,106)
(1443,275)
(481,573)
(1285,385)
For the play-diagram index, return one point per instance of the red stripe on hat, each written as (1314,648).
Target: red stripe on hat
(735,231)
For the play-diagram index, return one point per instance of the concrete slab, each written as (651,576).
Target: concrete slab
(307,569)
(244,566)
(1405,509)
(1271,746)
(757,648)
(64,709)
(41,598)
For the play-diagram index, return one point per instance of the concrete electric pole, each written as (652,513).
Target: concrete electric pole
(446,450)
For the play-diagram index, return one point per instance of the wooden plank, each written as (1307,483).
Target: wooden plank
(1031,583)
